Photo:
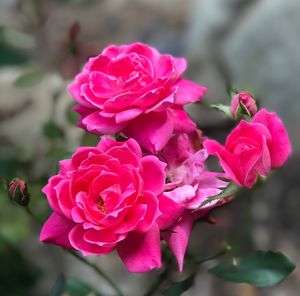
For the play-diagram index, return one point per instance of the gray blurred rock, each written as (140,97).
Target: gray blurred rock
(263,54)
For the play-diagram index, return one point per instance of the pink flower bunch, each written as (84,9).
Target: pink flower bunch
(129,195)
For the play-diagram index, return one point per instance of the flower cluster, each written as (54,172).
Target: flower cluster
(129,195)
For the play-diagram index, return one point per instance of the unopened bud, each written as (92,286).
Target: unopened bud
(243,104)
(18,192)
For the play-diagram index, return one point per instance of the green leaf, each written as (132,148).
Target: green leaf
(28,79)
(177,289)
(52,131)
(231,189)
(224,108)
(262,269)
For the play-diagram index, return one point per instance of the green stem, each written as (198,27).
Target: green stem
(200,260)
(98,270)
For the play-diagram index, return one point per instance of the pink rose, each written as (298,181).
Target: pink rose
(106,198)
(253,148)
(135,89)
(190,184)
(247,101)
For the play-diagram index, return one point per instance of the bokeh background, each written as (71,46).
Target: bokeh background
(249,44)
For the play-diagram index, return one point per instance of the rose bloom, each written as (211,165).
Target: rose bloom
(253,148)
(106,198)
(189,185)
(137,90)
(246,100)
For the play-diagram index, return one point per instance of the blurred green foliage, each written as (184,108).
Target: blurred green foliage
(73,287)
(17,275)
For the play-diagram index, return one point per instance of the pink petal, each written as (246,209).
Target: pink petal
(78,242)
(56,230)
(149,199)
(134,216)
(162,105)
(51,194)
(170,212)
(153,174)
(152,131)
(228,162)
(103,85)
(128,115)
(280,149)
(263,166)
(189,92)
(182,194)
(99,125)
(178,238)
(247,130)
(180,65)
(140,252)
(182,122)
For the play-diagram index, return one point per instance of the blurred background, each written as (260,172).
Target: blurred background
(249,44)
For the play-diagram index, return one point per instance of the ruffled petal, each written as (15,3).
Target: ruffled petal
(78,242)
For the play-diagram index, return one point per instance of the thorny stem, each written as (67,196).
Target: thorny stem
(101,273)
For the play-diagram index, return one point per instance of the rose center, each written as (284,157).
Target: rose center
(101,206)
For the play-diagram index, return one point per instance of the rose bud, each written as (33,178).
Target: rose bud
(243,104)
(18,192)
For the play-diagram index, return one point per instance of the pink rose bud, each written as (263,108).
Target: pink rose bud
(243,104)
(18,192)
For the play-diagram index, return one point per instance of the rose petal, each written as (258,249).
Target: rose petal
(76,237)
(280,149)
(150,200)
(178,237)
(182,122)
(152,166)
(141,252)
(189,92)
(170,212)
(99,125)
(152,131)
(56,230)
